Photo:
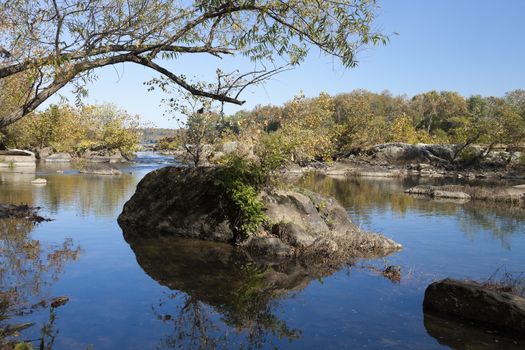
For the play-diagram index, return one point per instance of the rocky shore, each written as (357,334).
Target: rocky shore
(421,160)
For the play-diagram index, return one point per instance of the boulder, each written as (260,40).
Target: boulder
(473,301)
(17,158)
(100,170)
(57,158)
(404,153)
(438,192)
(465,193)
(104,157)
(187,202)
(450,194)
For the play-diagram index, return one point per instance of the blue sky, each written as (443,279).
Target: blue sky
(469,46)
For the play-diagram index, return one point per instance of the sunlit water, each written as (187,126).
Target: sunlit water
(187,294)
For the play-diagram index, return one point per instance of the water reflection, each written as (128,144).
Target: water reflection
(222,297)
(458,334)
(27,270)
(362,197)
(86,194)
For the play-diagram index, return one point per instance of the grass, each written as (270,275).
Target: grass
(505,281)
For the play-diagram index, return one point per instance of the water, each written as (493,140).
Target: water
(189,294)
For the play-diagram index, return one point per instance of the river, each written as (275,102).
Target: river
(186,294)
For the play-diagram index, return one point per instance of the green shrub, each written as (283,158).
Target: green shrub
(240,181)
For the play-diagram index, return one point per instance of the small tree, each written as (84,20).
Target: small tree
(198,122)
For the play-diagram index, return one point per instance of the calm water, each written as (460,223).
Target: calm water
(188,294)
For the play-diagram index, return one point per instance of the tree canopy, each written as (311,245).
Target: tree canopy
(51,43)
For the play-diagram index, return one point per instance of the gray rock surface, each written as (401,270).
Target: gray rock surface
(401,153)
(104,157)
(472,301)
(436,192)
(186,202)
(100,170)
(17,158)
(57,158)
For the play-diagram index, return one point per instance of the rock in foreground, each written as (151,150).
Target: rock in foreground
(187,202)
(473,301)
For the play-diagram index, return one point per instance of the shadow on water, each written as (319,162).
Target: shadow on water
(214,278)
(28,269)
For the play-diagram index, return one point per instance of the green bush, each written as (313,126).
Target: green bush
(240,181)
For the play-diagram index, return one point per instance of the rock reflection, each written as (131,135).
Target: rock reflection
(27,269)
(458,334)
(385,195)
(223,298)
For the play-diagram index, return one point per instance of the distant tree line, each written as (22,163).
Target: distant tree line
(64,128)
(331,127)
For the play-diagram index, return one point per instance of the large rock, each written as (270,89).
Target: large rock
(404,153)
(437,192)
(187,202)
(57,158)
(17,158)
(100,170)
(104,157)
(472,301)
(465,193)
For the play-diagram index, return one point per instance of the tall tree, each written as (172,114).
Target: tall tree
(58,42)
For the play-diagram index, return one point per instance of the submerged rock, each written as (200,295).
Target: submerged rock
(473,301)
(8,211)
(187,202)
(59,301)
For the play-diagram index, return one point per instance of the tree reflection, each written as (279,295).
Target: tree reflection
(27,268)
(222,298)
(361,196)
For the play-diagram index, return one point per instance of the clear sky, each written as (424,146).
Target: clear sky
(469,46)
